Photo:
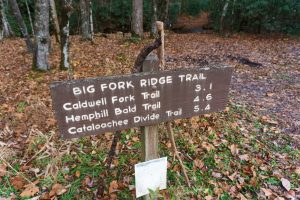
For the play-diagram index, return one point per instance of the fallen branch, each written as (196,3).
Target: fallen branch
(138,65)
(42,149)
(143,54)
(15,171)
(161,55)
(112,152)
(136,69)
(175,152)
(245,61)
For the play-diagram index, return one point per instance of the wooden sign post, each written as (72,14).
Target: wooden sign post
(149,134)
(97,105)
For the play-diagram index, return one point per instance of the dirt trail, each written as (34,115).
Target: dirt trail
(272,88)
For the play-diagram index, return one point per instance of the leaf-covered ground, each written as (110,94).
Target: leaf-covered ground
(249,151)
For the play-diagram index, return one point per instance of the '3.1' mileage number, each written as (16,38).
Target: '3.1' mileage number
(197,99)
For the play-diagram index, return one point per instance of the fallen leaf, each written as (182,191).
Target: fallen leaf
(3,170)
(232,176)
(253,171)
(2,144)
(234,125)
(272,122)
(198,163)
(208,197)
(267,192)
(277,174)
(17,182)
(270,94)
(286,184)
(241,180)
(244,157)
(253,181)
(113,196)
(131,187)
(227,109)
(30,191)
(169,145)
(264,118)
(135,139)
(86,181)
(108,135)
(290,195)
(36,198)
(233,190)
(297,170)
(248,169)
(113,186)
(176,168)
(177,121)
(77,174)
(207,146)
(263,167)
(207,115)
(169,165)
(218,191)
(216,175)
(219,142)
(234,150)
(51,122)
(35,170)
(31,184)
(263,177)
(242,197)
(57,189)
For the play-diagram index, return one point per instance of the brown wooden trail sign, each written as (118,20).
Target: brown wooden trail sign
(96,105)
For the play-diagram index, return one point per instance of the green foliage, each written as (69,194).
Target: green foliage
(113,15)
(12,21)
(194,7)
(21,106)
(154,194)
(225,196)
(6,188)
(258,16)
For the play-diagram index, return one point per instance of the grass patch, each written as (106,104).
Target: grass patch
(220,170)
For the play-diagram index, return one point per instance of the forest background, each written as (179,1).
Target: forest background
(255,16)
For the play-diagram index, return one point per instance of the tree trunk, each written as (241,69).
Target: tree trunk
(55,20)
(21,23)
(5,30)
(154,18)
(137,18)
(29,16)
(233,14)
(1,20)
(87,26)
(42,39)
(84,19)
(91,21)
(183,5)
(224,12)
(166,15)
(66,11)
